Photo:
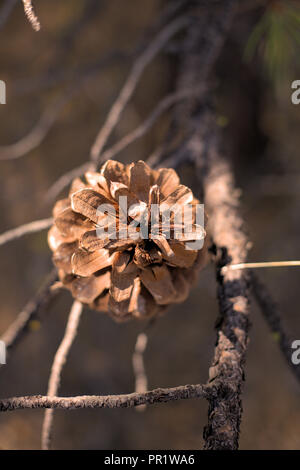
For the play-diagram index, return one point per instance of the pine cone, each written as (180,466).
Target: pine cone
(126,277)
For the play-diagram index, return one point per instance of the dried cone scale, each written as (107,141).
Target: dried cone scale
(125,277)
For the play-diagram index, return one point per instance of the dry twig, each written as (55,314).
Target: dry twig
(141,382)
(130,85)
(22,230)
(58,363)
(63,181)
(144,127)
(271,314)
(118,107)
(18,328)
(159,395)
(38,133)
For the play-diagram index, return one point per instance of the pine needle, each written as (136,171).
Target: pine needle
(271,264)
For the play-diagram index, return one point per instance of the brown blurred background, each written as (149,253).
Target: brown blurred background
(262,131)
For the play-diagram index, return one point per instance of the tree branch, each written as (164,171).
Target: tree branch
(39,131)
(273,317)
(141,381)
(63,181)
(131,83)
(19,327)
(144,127)
(159,395)
(22,230)
(58,364)
(202,47)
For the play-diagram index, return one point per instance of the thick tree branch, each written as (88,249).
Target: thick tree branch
(143,128)
(39,131)
(227,370)
(202,47)
(64,180)
(114,115)
(230,245)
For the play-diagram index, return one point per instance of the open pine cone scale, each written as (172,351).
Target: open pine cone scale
(128,276)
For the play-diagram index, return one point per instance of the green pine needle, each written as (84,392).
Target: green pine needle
(277,38)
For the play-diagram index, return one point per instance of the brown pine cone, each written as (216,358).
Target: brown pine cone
(126,277)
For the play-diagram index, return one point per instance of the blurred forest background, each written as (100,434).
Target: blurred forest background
(86,47)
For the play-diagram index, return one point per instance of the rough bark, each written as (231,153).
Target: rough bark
(159,395)
(202,47)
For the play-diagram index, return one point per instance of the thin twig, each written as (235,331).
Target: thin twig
(39,131)
(131,83)
(118,107)
(141,382)
(58,364)
(25,229)
(227,370)
(48,118)
(144,127)
(63,181)
(30,14)
(273,317)
(159,395)
(32,309)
